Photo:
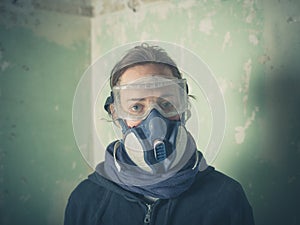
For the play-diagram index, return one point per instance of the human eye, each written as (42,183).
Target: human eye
(136,108)
(166,105)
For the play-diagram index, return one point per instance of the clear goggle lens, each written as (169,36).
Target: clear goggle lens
(134,101)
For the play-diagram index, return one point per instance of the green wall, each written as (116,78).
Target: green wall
(41,63)
(252,47)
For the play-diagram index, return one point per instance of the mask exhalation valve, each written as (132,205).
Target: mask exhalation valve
(160,150)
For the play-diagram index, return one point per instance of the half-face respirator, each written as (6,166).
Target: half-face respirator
(159,104)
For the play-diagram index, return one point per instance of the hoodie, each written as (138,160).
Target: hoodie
(213,199)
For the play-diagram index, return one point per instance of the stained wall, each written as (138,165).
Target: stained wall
(45,47)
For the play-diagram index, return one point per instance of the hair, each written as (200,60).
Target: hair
(140,55)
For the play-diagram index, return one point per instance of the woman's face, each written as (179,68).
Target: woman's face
(140,71)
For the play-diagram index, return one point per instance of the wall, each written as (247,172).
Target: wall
(252,47)
(42,57)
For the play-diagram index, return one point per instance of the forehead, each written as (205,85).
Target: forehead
(140,71)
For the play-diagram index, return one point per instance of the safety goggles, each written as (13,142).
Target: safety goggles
(135,100)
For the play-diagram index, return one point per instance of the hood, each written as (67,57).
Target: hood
(100,180)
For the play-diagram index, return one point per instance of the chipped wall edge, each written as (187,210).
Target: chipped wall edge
(94,9)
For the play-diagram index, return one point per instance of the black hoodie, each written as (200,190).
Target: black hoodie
(213,199)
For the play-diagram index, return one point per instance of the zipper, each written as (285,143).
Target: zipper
(147,218)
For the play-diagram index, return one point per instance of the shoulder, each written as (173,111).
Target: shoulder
(85,186)
(219,187)
(221,198)
(213,178)
(87,192)
(85,203)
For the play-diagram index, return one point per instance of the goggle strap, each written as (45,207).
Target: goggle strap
(109,100)
(123,125)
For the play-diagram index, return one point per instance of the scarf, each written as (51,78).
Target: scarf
(119,168)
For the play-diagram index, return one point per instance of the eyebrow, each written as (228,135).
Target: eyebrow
(143,99)
(136,99)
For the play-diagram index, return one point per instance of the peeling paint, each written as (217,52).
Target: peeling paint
(25,197)
(134,5)
(206,26)
(74,164)
(25,67)
(163,11)
(186,4)
(225,84)
(247,68)
(240,131)
(3,63)
(293,19)
(249,7)
(253,39)
(246,83)
(227,40)
(264,59)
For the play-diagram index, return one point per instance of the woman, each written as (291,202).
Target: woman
(154,174)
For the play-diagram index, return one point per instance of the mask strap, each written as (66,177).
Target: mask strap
(196,162)
(186,115)
(116,146)
(123,125)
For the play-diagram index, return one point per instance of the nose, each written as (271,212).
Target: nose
(157,126)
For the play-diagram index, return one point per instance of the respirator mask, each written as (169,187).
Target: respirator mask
(158,107)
